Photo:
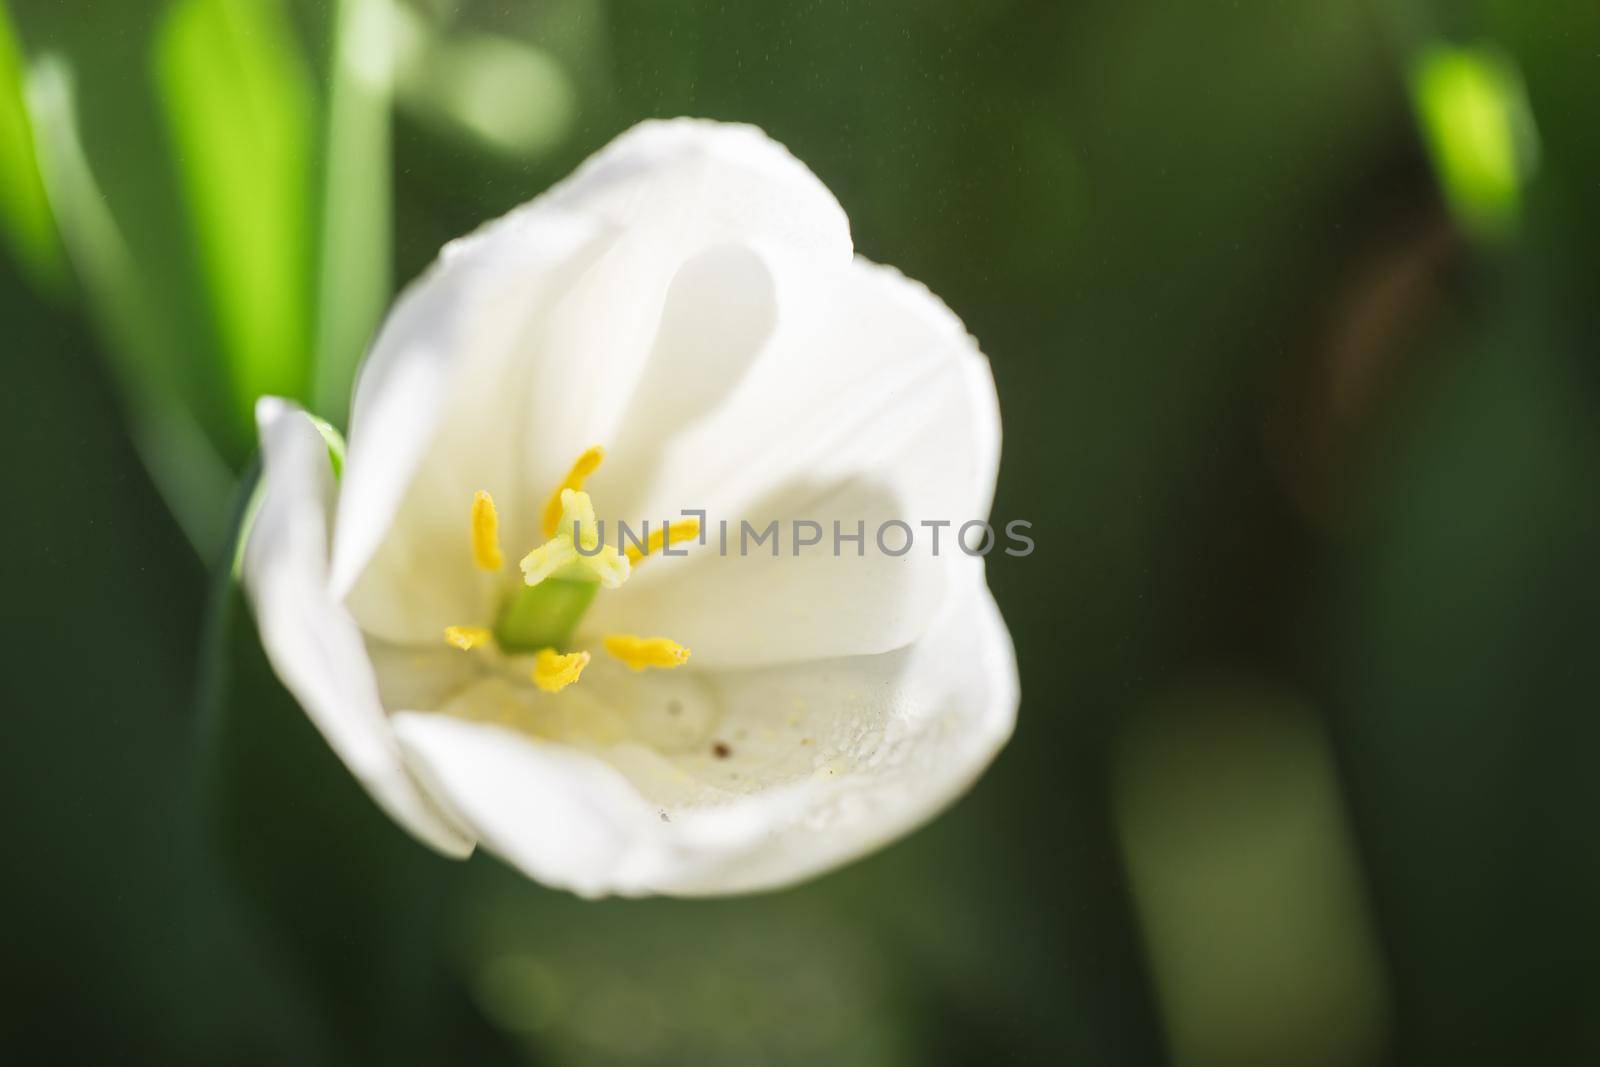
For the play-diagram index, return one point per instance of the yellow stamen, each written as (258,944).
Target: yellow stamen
(637,653)
(577,518)
(486,533)
(553,671)
(674,533)
(584,466)
(467,638)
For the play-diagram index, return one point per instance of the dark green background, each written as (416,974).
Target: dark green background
(1181,231)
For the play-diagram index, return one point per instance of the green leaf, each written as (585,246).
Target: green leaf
(239,102)
(1475,118)
(192,478)
(24,209)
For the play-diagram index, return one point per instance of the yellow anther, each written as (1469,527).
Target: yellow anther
(584,466)
(674,533)
(486,533)
(467,638)
(637,653)
(553,671)
(604,562)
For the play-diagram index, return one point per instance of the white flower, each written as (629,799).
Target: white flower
(626,722)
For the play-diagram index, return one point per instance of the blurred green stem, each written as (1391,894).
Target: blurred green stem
(354,281)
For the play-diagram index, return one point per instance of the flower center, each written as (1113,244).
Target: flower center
(560,579)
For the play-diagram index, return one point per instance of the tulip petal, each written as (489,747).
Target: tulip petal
(823,762)
(309,637)
(715,181)
(687,199)
(869,404)
(559,815)
(900,736)
(530,340)
(433,422)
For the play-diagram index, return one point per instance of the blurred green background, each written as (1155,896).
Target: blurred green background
(1292,307)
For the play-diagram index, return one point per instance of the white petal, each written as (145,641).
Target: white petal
(917,728)
(528,343)
(716,182)
(769,607)
(309,638)
(823,762)
(562,817)
(686,199)
(437,416)
(420,676)
(870,403)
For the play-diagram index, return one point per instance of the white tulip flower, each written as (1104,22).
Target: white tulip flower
(675,717)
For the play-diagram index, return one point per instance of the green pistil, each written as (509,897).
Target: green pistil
(544,615)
